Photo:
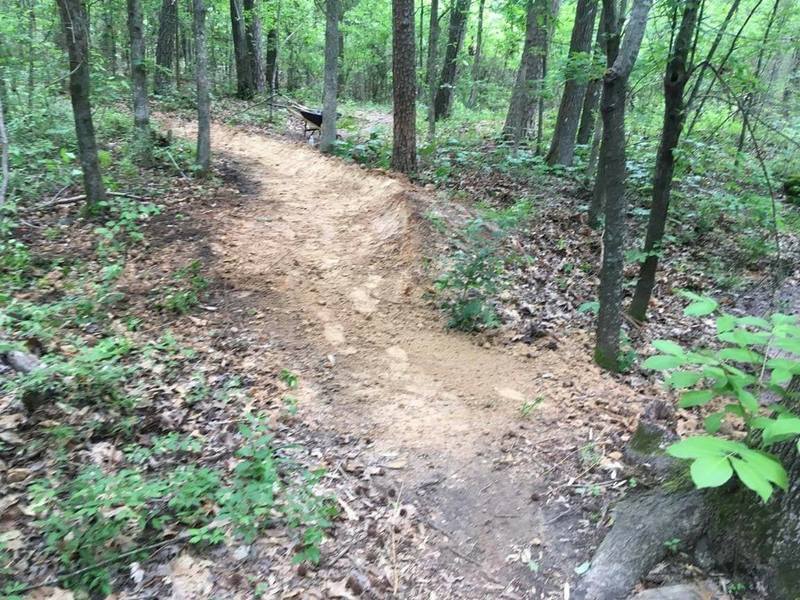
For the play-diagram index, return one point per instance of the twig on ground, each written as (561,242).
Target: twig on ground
(62,576)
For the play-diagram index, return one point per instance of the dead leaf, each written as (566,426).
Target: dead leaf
(49,593)
(190,578)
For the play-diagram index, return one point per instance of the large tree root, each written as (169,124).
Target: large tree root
(636,542)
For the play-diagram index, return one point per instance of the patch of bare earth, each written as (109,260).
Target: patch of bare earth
(321,263)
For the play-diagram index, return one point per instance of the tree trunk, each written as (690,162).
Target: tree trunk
(75,23)
(108,39)
(165,45)
(612,159)
(675,79)
(592,97)
(562,146)
(443,102)
(328,134)
(433,45)
(404,147)
(528,82)
(271,70)
(255,59)
(143,145)
(244,84)
(476,61)
(4,174)
(31,51)
(203,97)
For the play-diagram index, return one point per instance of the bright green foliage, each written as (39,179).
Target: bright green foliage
(745,365)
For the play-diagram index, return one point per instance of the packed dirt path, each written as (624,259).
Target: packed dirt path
(332,255)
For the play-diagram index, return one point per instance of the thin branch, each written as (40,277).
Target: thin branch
(103,563)
(3,157)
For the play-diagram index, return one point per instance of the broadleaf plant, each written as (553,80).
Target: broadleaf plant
(754,356)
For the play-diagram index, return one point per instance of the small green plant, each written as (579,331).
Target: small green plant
(739,371)
(529,406)
(673,545)
(186,291)
(290,404)
(289,379)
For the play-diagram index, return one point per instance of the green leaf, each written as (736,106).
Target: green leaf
(755,322)
(701,446)
(713,422)
(582,568)
(752,478)
(740,355)
(662,362)
(683,379)
(748,400)
(701,306)
(711,471)
(668,347)
(695,398)
(766,464)
(780,377)
(725,323)
(781,429)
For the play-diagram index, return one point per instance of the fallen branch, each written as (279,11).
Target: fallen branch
(103,563)
(70,199)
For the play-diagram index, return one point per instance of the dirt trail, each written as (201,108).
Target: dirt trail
(331,253)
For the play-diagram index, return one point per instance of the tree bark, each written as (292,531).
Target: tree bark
(203,97)
(4,172)
(245,88)
(271,69)
(165,45)
(592,97)
(433,46)
(443,103)
(562,146)
(143,145)
(675,79)
(255,58)
(476,61)
(528,81)
(404,147)
(612,159)
(75,24)
(328,134)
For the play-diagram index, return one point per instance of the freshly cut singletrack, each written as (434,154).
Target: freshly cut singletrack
(332,255)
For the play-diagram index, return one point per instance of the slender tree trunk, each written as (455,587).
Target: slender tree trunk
(711,52)
(404,147)
(253,37)
(143,145)
(677,74)
(328,134)
(178,49)
(420,55)
(4,173)
(591,99)
(31,51)
(272,60)
(443,103)
(165,45)
(76,31)
(562,146)
(433,45)
(476,62)
(108,39)
(750,97)
(720,66)
(612,152)
(528,81)
(203,97)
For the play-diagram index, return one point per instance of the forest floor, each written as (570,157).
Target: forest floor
(485,448)
(465,466)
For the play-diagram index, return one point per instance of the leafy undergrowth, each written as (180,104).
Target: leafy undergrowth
(157,442)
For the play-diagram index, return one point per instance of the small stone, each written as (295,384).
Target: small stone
(17,475)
